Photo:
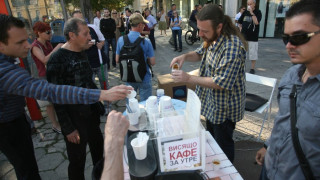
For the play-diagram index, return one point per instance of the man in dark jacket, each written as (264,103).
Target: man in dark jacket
(79,123)
(108,28)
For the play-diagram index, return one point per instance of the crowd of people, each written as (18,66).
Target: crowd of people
(67,88)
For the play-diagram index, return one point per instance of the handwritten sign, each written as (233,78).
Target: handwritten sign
(184,153)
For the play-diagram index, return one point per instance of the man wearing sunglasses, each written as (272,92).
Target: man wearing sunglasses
(280,157)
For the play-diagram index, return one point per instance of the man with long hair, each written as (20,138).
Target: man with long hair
(221,82)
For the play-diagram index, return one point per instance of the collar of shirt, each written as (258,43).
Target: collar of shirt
(7,58)
(217,44)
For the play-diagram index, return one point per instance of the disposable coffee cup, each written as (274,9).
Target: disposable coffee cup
(175,67)
(152,102)
(165,104)
(132,94)
(216,164)
(140,150)
(160,93)
(133,117)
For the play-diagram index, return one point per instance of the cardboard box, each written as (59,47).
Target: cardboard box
(173,89)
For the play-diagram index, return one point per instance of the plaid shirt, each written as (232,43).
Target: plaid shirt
(224,61)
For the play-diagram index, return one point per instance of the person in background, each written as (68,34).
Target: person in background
(41,50)
(128,26)
(250,23)
(118,23)
(151,25)
(108,29)
(300,84)
(16,83)
(96,20)
(94,59)
(176,31)
(193,20)
(137,23)
(122,29)
(170,14)
(221,82)
(146,30)
(162,22)
(241,10)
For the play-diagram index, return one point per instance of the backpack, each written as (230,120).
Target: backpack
(133,66)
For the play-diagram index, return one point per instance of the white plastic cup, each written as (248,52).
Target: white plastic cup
(133,117)
(216,164)
(152,102)
(160,93)
(132,94)
(248,8)
(140,151)
(165,104)
(134,105)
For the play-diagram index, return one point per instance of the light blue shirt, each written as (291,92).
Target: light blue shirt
(152,21)
(281,160)
(176,23)
(146,46)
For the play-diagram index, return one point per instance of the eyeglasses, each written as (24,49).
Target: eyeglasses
(114,13)
(48,32)
(298,39)
(243,9)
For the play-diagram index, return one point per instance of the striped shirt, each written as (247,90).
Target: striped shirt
(224,61)
(16,83)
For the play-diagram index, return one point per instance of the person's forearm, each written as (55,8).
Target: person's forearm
(206,82)
(113,162)
(191,56)
(254,18)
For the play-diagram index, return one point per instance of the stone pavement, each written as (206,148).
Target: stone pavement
(50,147)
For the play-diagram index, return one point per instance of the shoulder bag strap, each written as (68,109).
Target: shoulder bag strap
(304,164)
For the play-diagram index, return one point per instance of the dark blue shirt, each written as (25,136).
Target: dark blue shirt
(16,83)
(193,15)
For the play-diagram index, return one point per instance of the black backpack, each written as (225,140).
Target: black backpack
(133,66)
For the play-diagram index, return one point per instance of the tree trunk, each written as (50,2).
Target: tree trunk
(86,9)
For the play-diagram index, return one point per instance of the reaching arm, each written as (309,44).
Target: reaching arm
(191,57)
(115,131)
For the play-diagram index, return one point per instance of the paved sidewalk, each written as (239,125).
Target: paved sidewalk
(50,147)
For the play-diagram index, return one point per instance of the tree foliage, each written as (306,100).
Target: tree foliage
(100,4)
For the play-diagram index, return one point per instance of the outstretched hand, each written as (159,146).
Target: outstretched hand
(115,93)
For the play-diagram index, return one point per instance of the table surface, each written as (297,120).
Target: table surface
(226,172)
(213,151)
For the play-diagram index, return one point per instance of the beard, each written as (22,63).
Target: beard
(208,41)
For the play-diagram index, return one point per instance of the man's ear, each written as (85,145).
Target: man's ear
(219,28)
(72,35)
(2,47)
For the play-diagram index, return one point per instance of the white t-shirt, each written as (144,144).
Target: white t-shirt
(96,22)
(237,17)
(163,17)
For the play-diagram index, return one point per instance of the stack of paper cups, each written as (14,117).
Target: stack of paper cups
(160,93)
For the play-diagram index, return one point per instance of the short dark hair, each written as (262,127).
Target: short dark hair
(75,12)
(173,5)
(305,7)
(127,9)
(7,22)
(72,25)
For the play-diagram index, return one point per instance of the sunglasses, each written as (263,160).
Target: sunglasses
(48,32)
(114,13)
(298,39)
